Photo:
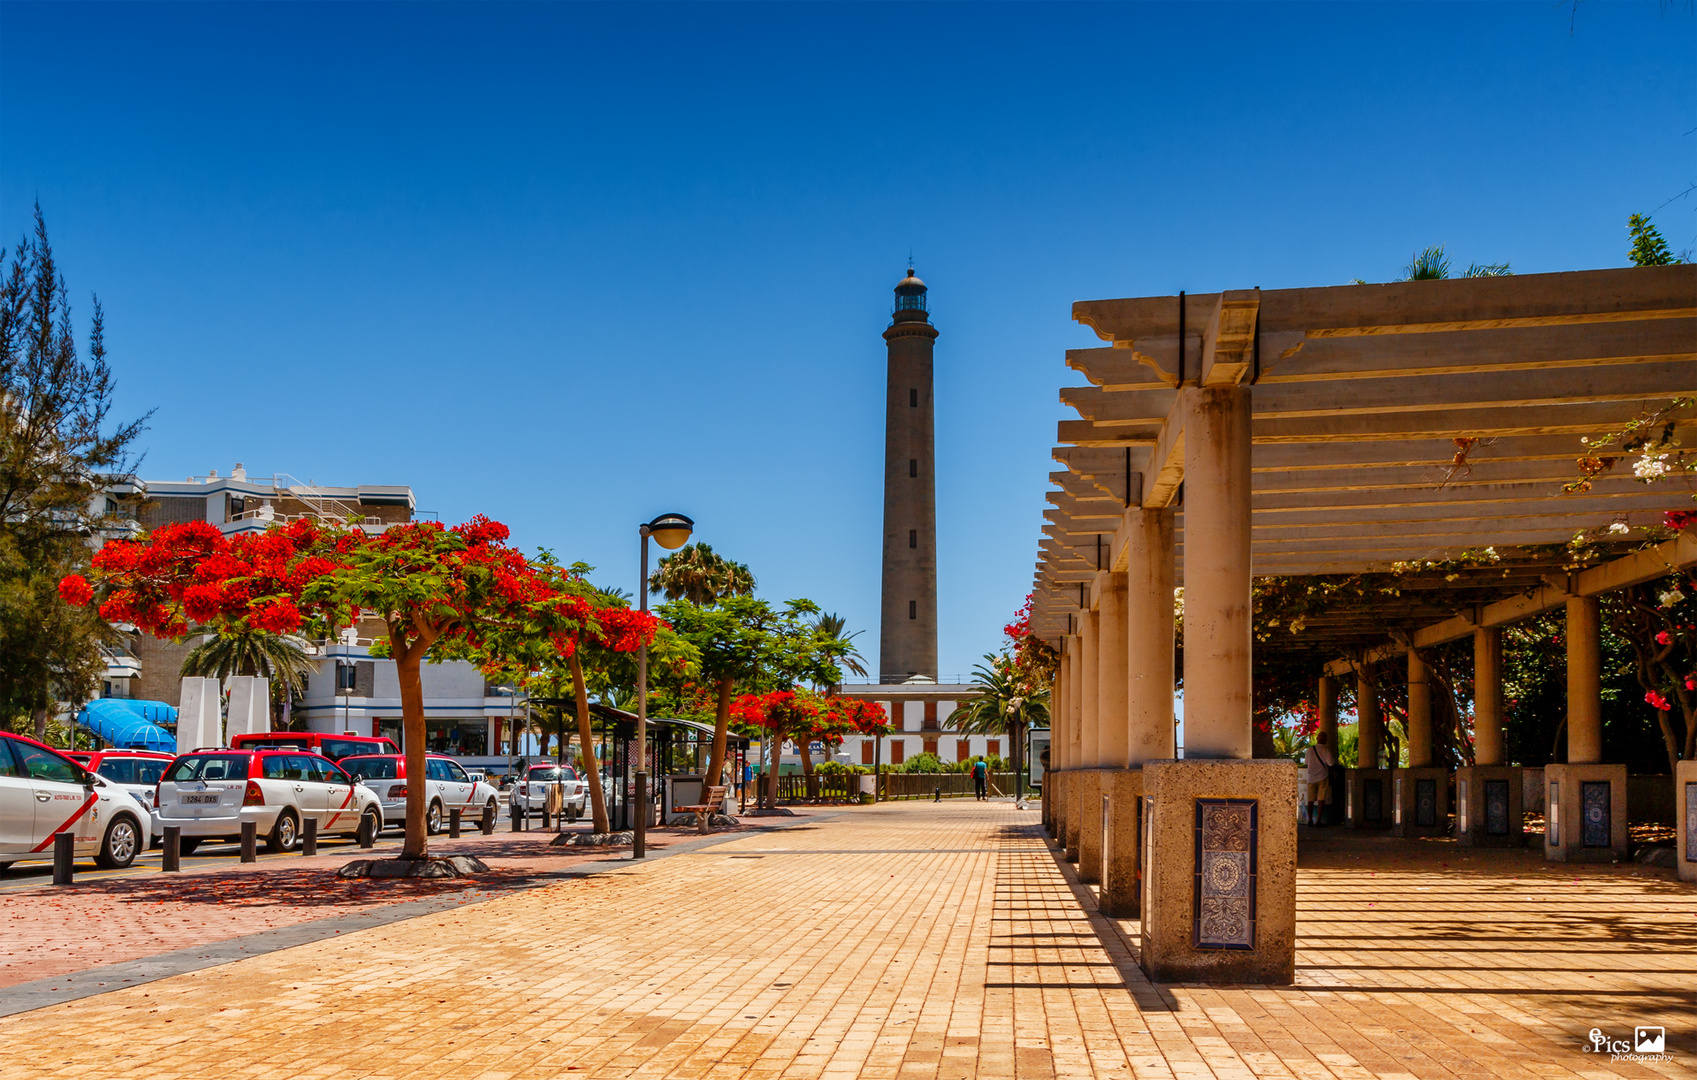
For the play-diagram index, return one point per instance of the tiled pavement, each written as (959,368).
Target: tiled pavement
(921,940)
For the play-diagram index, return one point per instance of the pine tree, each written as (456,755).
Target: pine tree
(1648,247)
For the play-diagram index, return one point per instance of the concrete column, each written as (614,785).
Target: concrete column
(1112,733)
(1419,712)
(1584,681)
(1327,695)
(1075,700)
(1371,737)
(1217,606)
(1149,635)
(1487,696)
(1089,683)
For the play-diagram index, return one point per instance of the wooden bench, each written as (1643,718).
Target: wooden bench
(709,806)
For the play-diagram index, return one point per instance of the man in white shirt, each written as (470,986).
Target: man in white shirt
(1319,764)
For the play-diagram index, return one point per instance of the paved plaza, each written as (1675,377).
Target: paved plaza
(922,940)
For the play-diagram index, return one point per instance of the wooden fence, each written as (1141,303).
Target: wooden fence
(845,787)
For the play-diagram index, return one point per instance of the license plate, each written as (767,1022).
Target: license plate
(200,800)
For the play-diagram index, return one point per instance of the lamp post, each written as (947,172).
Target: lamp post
(670,531)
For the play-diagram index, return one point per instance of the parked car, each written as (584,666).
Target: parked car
(448,785)
(334,747)
(530,794)
(43,792)
(210,793)
(136,771)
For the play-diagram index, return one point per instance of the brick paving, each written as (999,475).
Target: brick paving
(924,941)
(108,918)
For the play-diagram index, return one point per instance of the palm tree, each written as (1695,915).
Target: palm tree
(695,573)
(282,660)
(841,648)
(1005,705)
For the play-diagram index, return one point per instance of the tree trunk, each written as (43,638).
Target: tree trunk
(721,725)
(407,659)
(41,727)
(592,768)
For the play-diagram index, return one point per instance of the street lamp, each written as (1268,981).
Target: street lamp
(670,531)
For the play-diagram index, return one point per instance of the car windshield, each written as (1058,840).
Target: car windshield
(374,768)
(337,749)
(210,767)
(547,774)
(132,770)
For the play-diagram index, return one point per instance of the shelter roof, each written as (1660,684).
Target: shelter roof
(1392,424)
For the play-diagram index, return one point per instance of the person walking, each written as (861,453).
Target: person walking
(1318,776)
(981,779)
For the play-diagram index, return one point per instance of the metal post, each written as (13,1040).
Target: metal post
(454,823)
(513,813)
(250,841)
(639,846)
(309,836)
(878,768)
(64,856)
(171,858)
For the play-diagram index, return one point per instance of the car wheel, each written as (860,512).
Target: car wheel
(118,850)
(370,824)
(489,815)
(284,833)
(187,844)
(433,819)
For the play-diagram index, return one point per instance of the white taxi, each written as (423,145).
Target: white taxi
(43,792)
(447,786)
(530,794)
(208,794)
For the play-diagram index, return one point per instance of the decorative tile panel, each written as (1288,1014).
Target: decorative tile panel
(1396,800)
(1145,867)
(1426,803)
(1462,807)
(1594,813)
(1223,904)
(1496,808)
(1552,816)
(1690,822)
(1373,799)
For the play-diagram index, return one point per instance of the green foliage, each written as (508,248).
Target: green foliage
(837,768)
(1648,246)
(1428,265)
(926,762)
(283,660)
(1004,702)
(57,445)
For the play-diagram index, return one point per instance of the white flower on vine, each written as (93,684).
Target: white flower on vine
(1650,466)
(1671,597)
(1620,528)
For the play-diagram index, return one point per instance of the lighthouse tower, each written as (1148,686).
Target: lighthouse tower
(907,644)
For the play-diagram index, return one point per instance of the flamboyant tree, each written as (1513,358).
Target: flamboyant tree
(437,592)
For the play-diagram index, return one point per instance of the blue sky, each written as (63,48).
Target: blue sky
(571,266)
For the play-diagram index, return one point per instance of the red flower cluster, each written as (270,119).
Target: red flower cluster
(1679,519)
(76,591)
(1657,700)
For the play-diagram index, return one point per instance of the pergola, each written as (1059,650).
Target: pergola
(1337,430)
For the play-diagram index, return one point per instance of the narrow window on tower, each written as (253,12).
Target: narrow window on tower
(913,399)
(913,538)
(913,466)
(913,609)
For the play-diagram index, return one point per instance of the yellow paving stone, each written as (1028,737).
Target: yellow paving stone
(934,941)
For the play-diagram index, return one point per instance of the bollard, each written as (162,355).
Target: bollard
(250,841)
(938,797)
(544,818)
(309,837)
(486,823)
(367,837)
(64,854)
(172,858)
(513,815)
(454,823)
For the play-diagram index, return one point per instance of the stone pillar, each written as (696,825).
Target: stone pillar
(1218,895)
(1090,749)
(1149,702)
(1419,712)
(1113,743)
(1488,696)
(1217,606)
(1371,728)
(1585,811)
(1326,695)
(1150,635)
(1075,752)
(1584,681)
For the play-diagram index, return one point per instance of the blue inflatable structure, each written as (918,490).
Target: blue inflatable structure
(131,725)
